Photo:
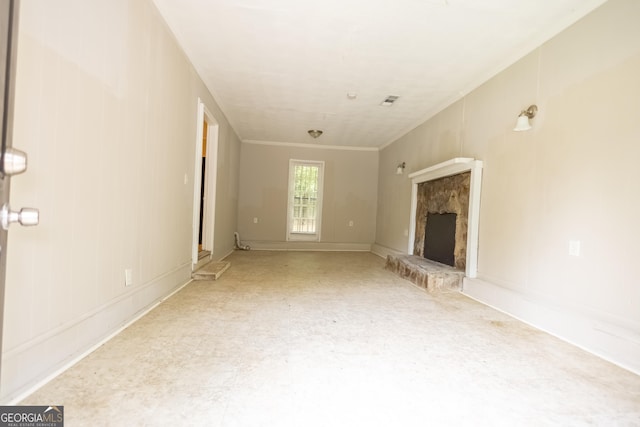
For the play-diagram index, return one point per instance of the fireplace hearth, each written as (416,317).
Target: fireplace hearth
(434,277)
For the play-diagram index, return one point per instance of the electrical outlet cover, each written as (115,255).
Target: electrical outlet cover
(128,277)
(574,247)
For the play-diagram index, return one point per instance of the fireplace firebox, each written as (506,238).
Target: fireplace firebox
(440,237)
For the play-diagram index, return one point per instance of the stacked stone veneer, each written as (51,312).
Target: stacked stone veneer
(430,275)
(445,195)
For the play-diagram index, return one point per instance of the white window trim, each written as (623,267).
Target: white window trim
(307,237)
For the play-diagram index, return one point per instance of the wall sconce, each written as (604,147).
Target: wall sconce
(400,168)
(523,118)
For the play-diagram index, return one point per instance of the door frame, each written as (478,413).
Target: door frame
(210,184)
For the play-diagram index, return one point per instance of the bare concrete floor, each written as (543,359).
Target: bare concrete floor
(333,339)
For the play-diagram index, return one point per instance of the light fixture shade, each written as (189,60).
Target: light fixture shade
(399,170)
(523,118)
(522,123)
(314,133)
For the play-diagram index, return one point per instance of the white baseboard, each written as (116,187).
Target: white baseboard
(599,334)
(308,246)
(383,251)
(36,362)
(226,255)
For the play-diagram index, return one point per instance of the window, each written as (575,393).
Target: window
(305,200)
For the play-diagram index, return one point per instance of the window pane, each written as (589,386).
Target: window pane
(305,198)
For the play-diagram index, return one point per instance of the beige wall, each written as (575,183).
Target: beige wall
(106,109)
(574,176)
(227,182)
(349,194)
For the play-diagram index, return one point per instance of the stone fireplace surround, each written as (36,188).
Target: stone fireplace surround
(460,193)
(444,195)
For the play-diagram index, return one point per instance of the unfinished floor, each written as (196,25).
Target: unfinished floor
(333,339)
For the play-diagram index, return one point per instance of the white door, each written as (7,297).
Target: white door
(12,162)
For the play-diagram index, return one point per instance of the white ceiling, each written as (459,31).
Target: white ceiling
(280,67)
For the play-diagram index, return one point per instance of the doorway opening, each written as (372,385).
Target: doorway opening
(203,178)
(205,172)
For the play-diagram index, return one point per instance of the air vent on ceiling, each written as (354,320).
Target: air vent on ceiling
(389,100)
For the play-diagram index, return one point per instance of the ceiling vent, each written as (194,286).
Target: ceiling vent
(389,100)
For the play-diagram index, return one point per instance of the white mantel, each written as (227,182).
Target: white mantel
(441,170)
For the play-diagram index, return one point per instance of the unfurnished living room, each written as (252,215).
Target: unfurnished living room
(335,213)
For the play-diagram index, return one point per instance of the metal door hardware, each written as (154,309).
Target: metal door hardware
(25,216)
(14,161)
